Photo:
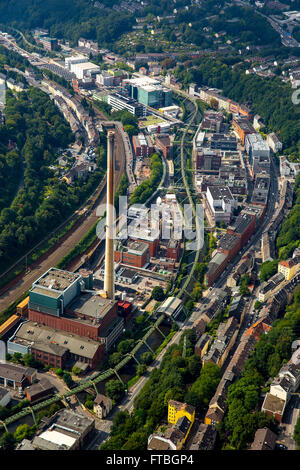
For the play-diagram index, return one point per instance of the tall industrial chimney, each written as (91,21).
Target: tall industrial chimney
(109,274)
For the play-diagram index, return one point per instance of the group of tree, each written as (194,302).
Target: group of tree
(37,129)
(268,269)
(179,367)
(68,19)
(289,236)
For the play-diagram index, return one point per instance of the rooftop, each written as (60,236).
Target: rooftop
(91,305)
(273,404)
(46,338)
(56,279)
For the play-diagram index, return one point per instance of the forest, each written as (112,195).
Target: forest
(35,130)
(67,19)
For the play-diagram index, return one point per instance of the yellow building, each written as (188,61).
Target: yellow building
(177,410)
(182,415)
(287,268)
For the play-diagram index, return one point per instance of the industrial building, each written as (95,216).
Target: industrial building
(207,160)
(172,307)
(134,253)
(119,102)
(84,69)
(77,59)
(55,348)
(147,91)
(14,376)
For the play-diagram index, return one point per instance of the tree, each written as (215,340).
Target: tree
(76,370)
(54,408)
(158,293)
(147,358)
(115,358)
(7,441)
(205,386)
(141,369)
(23,431)
(297,432)
(67,379)
(29,360)
(268,269)
(125,346)
(114,389)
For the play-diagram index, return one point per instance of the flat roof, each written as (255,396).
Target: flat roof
(91,305)
(241,223)
(228,241)
(45,337)
(56,279)
(58,438)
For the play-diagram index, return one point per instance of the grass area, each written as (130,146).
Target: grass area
(150,120)
(164,343)
(132,381)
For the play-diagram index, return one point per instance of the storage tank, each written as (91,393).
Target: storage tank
(85,277)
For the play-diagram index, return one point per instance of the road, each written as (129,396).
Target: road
(289,420)
(257,235)
(103,427)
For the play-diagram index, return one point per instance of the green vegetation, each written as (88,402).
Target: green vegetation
(297,432)
(257,304)
(268,269)
(243,285)
(36,127)
(122,190)
(59,80)
(114,389)
(130,432)
(288,238)
(68,19)
(205,386)
(158,293)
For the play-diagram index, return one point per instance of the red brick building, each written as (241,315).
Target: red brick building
(83,317)
(135,254)
(151,241)
(163,144)
(173,249)
(142,145)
